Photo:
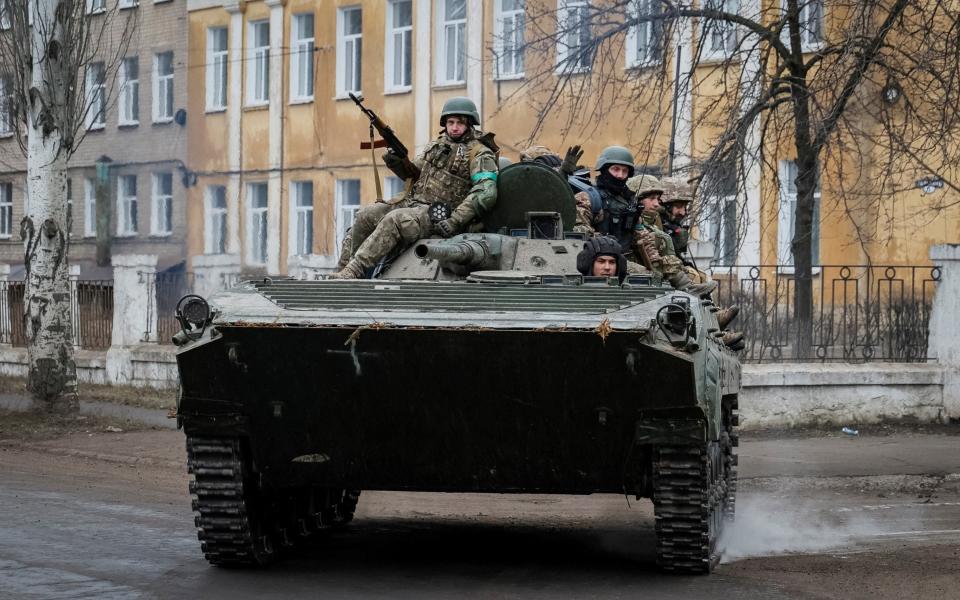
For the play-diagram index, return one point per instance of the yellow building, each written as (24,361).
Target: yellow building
(274,138)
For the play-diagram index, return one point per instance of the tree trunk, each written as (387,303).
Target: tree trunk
(52,376)
(801,249)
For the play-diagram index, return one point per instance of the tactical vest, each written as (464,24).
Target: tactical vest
(620,215)
(445,174)
(680,235)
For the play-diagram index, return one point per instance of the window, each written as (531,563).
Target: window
(257,223)
(162,204)
(452,44)
(574,52)
(130,91)
(348,203)
(645,40)
(717,222)
(811,24)
(258,63)
(301,61)
(719,38)
(788,205)
(216,68)
(394,186)
(128,3)
(163,87)
(96,6)
(508,39)
(6,105)
(349,50)
(96,96)
(6,210)
(127,205)
(89,207)
(301,220)
(215,220)
(4,15)
(399,38)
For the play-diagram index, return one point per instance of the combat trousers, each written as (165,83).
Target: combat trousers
(399,226)
(364,224)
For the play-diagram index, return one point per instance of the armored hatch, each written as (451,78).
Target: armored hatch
(528,187)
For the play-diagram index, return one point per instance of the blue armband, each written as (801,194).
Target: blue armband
(478,177)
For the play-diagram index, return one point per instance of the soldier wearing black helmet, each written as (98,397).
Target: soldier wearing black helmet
(602,257)
(612,208)
(457,183)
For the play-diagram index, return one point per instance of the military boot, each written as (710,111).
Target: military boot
(352,270)
(727,315)
(682,282)
(733,338)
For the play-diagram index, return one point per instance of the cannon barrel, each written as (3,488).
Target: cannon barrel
(469,253)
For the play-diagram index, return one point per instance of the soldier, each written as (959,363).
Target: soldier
(612,209)
(602,257)
(653,245)
(458,177)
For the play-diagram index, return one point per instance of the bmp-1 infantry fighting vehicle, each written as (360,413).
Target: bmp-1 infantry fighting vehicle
(482,363)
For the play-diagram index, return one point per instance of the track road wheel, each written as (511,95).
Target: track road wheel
(233,521)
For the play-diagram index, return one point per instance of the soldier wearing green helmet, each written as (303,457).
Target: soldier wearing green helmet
(457,183)
(612,210)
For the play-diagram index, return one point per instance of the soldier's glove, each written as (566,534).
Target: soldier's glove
(569,165)
(446,228)
(395,164)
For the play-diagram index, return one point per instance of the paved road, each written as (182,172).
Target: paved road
(78,527)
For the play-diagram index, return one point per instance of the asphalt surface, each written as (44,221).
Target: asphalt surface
(108,516)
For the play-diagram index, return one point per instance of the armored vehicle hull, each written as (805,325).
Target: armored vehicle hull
(484,363)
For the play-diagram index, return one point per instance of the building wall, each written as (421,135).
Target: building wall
(139,150)
(318,140)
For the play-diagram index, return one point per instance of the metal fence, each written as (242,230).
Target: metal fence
(166,289)
(860,313)
(91,313)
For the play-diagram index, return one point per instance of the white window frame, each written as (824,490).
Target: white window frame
(215,220)
(89,207)
(129,104)
(162,89)
(808,43)
(95,7)
(640,35)
(257,224)
(787,174)
(6,210)
(6,104)
(96,96)
(565,9)
(258,64)
(351,44)
(509,60)
(301,58)
(345,214)
(458,29)
(162,205)
(398,45)
(301,219)
(128,3)
(217,61)
(127,209)
(712,31)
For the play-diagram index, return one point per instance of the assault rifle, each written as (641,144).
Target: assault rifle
(389,139)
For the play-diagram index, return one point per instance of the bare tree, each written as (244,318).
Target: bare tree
(61,56)
(865,91)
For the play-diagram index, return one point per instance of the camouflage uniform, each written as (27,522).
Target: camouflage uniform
(677,190)
(605,210)
(459,173)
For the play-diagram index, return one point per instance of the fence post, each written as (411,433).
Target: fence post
(945,326)
(75,304)
(132,303)
(6,331)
